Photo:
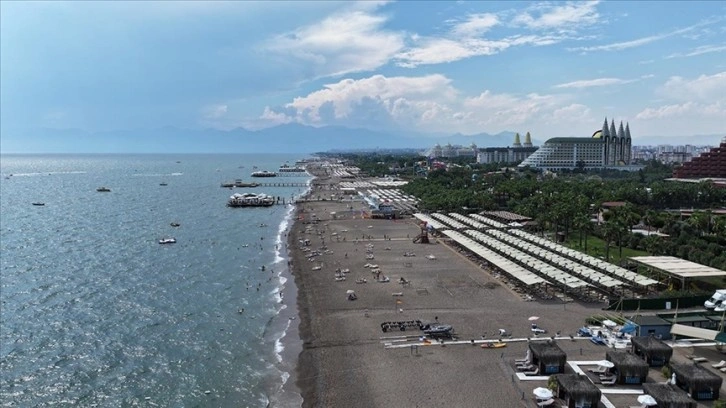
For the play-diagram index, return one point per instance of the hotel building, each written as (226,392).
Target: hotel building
(607,148)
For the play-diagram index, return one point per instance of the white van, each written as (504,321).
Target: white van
(716,299)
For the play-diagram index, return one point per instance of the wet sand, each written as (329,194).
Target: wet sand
(344,361)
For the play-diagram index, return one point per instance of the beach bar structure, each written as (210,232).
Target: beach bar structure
(577,391)
(654,351)
(629,368)
(668,395)
(699,382)
(548,357)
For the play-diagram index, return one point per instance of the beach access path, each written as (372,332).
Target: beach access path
(344,361)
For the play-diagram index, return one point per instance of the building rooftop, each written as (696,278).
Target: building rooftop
(574,140)
(678,267)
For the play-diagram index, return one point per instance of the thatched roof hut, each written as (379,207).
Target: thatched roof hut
(548,356)
(654,351)
(667,395)
(577,390)
(629,368)
(700,382)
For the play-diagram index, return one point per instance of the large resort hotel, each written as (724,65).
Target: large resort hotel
(607,148)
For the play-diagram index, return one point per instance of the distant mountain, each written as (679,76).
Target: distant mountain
(288,138)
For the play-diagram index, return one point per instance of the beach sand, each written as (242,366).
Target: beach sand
(344,361)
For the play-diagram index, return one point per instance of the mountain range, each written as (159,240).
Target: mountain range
(288,138)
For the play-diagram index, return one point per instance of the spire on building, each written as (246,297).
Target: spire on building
(627,130)
(613,133)
(517,143)
(527,140)
(605,131)
(621,131)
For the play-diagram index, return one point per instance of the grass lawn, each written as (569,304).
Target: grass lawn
(596,248)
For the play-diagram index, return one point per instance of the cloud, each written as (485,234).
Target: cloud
(476,25)
(589,83)
(565,17)
(703,88)
(425,103)
(618,46)
(345,42)
(214,111)
(704,96)
(703,49)
(691,109)
(443,50)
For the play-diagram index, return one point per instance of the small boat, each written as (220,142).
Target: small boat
(39,204)
(240,183)
(175,224)
(493,345)
(163,184)
(227,185)
(103,189)
(167,241)
(438,330)
(264,173)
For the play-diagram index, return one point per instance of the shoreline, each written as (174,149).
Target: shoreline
(288,318)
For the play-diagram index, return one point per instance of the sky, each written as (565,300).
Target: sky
(551,68)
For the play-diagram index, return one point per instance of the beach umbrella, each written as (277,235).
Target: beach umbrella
(542,393)
(606,364)
(533,318)
(647,400)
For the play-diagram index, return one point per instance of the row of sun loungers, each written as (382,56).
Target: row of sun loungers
(623,273)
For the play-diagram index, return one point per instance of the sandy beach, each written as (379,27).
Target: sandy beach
(345,361)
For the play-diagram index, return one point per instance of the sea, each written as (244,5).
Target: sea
(95,312)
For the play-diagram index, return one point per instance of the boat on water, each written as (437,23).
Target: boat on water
(103,189)
(264,173)
(227,184)
(290,169)
(250,200)
(175,224)
(39,204)
(163,184)
(167,241)
(240,183)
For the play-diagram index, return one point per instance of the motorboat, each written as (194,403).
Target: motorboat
(175,224)
(163,184)
(103,189)
(167,241)
(38,204)
(240,183)
(250,200)
(438,330)
(264,173)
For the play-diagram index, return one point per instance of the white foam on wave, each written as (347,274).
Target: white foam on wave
(156,174)
(47,173)
(279,347)
(281,230)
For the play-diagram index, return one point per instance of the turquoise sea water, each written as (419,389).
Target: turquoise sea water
(96,313)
